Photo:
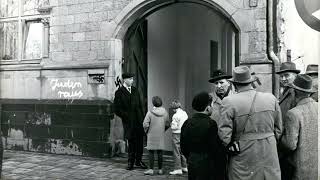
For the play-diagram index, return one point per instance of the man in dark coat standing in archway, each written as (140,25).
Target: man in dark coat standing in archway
(128,107)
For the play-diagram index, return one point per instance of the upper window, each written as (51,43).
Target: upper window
(23,35)
(9,8)
(32,40)
(9,40)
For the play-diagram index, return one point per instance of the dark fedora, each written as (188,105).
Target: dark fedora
(218,75)
(127,75)
(312,69)
(288,67)
(242,75)
(303,83)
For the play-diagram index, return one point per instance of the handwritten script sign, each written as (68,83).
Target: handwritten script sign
(67,89)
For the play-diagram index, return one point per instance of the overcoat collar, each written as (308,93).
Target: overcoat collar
(200,115)
(288,91)
(305,101)
(125,91)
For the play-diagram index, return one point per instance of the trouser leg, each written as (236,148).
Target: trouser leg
(183,160)
(151,159)
(286,169)
(198,167)
(160,159)
(131,150)
(139,148)
(176,151)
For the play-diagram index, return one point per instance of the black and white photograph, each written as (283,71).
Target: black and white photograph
(159,89)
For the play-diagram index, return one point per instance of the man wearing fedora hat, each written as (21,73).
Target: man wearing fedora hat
(301,131)
(312,71)
(287,73)
(249,127)
(128,106)
(221,89)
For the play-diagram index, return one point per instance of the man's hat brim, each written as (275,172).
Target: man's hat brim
(301,89)
(311,72)
(252,79)
(288,70)
(217,78)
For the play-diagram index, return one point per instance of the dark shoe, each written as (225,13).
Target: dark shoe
(130,166)
(141,165)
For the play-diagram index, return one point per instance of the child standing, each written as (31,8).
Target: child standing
(180,116)
(154,125)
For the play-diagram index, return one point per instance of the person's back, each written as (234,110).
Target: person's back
(199,140)
(251,121)
(154,125)
(262,121)
(199,127)
(303,139)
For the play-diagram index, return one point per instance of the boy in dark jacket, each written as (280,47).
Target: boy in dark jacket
(199,140)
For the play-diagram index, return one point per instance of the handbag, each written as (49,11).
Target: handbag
(234,147)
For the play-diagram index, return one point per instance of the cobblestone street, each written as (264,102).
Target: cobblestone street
(29,165)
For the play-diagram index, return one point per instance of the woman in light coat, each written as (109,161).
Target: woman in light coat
(154,125)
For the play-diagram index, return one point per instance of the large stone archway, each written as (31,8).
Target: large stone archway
(235,12)
(140,8)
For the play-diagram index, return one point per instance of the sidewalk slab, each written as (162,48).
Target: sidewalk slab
(29,165)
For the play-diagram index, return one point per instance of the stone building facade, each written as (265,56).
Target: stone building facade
(59,98)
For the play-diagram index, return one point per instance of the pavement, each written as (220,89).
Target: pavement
(32,166)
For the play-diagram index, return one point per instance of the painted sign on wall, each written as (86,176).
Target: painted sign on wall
(67,89)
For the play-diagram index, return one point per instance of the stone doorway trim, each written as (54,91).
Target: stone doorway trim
(141,8)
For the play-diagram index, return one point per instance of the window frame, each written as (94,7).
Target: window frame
(21,19)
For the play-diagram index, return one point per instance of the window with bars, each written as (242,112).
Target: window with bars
(24,30)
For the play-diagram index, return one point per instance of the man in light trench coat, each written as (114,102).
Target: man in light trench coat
(256,135)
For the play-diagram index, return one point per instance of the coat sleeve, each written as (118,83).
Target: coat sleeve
(175,122)
(167,121)
(225,123)
(118,107)
(141,107)
(146,122)
(291,131)
(278,125)
(213,137)
(183,139)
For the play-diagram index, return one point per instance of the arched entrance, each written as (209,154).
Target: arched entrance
(174,46)
(174,49)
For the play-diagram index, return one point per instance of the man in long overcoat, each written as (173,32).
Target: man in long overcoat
(128,106)
(288,73)
(222,88)
(253,120)
(301,131)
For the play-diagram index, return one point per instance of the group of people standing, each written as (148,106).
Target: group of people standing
(236,132)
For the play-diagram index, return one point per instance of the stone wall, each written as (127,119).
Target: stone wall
(87,36)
